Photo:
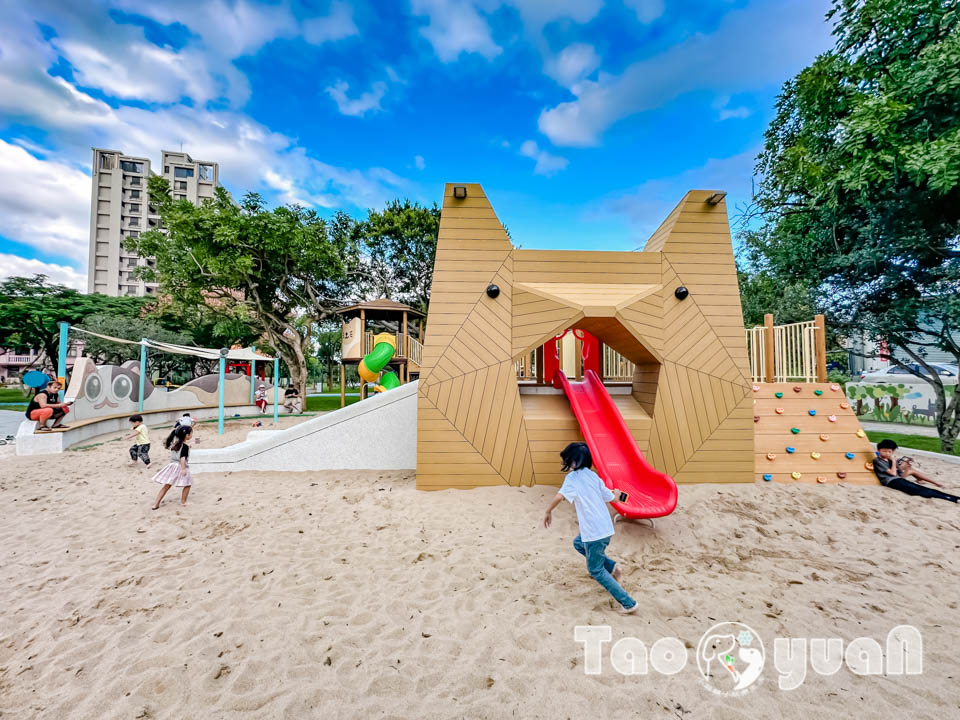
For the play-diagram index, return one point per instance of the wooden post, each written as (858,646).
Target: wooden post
(343,387)
(768,347)
(600,367)
(363,332)
(404,351)
(539,356)
(820,341)
(578,358)
(420,334)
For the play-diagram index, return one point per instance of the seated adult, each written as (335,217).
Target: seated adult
(884,466)
(46,405)
(291,399)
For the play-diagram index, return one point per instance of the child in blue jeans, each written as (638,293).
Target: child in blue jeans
(584,488)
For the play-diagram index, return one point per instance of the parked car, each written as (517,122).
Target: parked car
(948,374)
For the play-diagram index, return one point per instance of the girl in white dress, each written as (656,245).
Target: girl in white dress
(177,473)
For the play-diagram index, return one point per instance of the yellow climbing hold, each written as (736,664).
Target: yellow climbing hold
(795,475)
(862,434)
(815,455)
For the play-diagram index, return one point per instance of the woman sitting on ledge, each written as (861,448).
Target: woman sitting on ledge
(46,405)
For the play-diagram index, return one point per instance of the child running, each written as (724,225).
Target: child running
(177,473)
(141,448)
(585,490)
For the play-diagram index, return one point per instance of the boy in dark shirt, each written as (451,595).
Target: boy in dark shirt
(884,466)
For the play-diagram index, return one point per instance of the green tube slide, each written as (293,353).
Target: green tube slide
(389,381)
(374,362)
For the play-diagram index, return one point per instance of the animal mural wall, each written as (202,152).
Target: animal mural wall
(101,390)
(909,403)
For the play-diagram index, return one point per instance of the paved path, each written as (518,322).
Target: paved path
(899,428)
(9,422)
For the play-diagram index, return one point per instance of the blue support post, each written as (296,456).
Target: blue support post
(276,390)
(143,371)
(223,368)
(62,359)
(253,373)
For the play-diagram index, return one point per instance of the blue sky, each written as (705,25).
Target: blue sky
(585,120)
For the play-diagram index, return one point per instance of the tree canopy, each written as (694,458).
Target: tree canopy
(282,270)
(32,308)
(859,195)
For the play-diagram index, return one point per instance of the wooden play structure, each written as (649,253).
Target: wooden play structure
(672,311)
(377,322)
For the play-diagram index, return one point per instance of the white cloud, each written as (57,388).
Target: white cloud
(419,162)
(736,112)
(44,204)
(645,206)
(547,164)
(16,266)
(536,14)
(358,106)
(335,26)
(647,10)
(573,64)
(455,27)
(761,44)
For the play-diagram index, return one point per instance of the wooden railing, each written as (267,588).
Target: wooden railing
(796,352)
(616,368)
(526,366)
(413,351)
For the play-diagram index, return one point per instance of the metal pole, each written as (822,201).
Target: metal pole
(143,371)
(223,367)
(276,390)
(253,373)
(62,359)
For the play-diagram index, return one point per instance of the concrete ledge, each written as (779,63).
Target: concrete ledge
(30,442)
(379,433)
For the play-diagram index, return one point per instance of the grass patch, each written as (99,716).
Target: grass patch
(917,442)
(16,408)
(321,404)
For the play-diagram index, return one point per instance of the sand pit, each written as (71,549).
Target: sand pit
(341,595)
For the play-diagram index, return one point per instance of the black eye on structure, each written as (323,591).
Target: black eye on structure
(93,387)
(122,387)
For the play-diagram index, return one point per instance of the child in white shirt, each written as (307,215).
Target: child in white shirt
(585,490)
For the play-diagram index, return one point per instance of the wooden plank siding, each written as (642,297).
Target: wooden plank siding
(690,410)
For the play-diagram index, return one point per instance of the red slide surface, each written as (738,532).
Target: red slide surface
(616,456)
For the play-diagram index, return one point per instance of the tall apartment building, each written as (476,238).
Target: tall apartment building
(119,208)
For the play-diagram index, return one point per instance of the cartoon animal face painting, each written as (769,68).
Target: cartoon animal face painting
(114,388)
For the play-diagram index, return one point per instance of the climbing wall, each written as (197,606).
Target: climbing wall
(807,432)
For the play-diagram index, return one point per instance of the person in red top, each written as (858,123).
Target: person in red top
(46,405)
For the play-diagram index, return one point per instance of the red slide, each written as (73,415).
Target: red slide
(616,456)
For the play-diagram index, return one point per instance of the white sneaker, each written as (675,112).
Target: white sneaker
(629,611)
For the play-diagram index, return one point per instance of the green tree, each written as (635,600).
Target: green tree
(400,244)
(860,182)
(283,270)
(760,293)
(106,352)
(32,308)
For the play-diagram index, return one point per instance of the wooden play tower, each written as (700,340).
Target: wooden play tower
(365,322)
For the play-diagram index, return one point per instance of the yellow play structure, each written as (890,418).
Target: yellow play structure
(673,310)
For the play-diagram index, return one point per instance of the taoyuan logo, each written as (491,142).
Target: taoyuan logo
(730,657)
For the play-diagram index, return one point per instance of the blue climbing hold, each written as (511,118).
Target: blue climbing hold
(790,449)
(768,478)
(850,456)
(812,412)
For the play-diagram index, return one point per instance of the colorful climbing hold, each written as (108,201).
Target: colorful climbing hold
(845,405)
(771,456)
(797,388)
(791,449)
(818,392)
(849,456)
(835,387)
(824,437)
(795,475)
(779,395)
(795,430)
(756,418)
(861,433)
(812,412)
(815,455)
(768,477)
(832,418)
(756,388)
(841,475)
(779,411)
(821,479)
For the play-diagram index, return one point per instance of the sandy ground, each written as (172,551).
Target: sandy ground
(342,595)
